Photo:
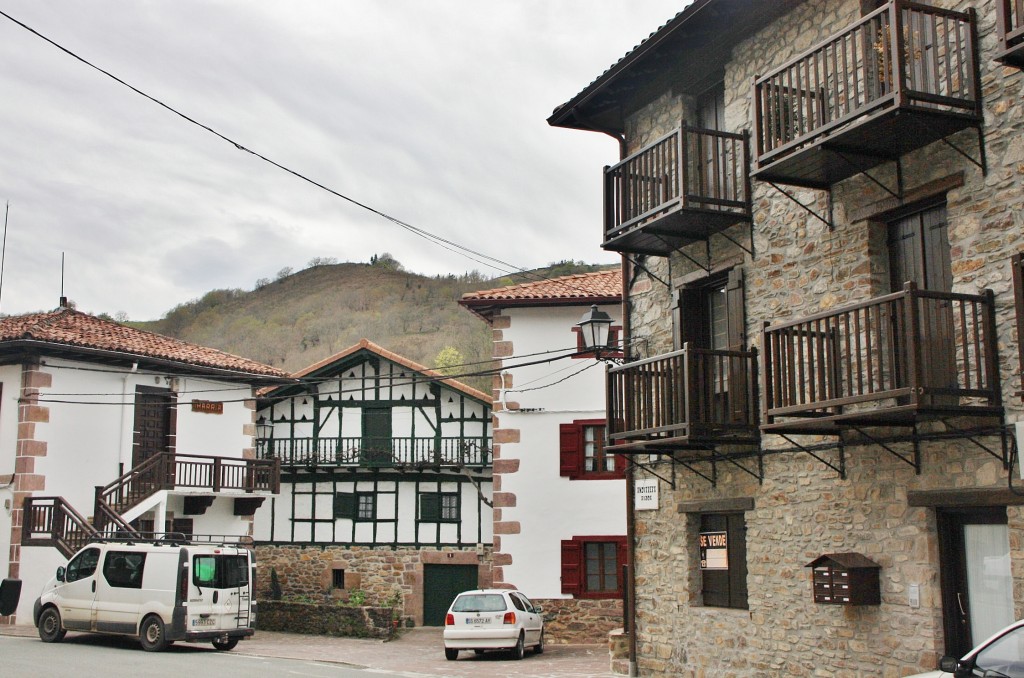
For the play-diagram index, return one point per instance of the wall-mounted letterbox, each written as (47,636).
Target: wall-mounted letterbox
(845,579)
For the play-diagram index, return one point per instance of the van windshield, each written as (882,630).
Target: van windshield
(220,571)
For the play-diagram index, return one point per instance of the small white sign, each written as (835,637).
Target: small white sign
(645,494)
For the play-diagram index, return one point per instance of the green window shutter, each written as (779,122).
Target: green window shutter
(430,507)
(345,505)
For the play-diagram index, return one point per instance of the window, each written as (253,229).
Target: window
(724,575)
(614,339)
(83,565)
(338,578)
(123,569)
(220,571)
(592,566)
(358,506)
(440,507)
(582,454)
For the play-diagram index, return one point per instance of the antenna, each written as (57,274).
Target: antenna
(3,250)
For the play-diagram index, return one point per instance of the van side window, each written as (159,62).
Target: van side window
(83,565)
(123,569)
(220,571)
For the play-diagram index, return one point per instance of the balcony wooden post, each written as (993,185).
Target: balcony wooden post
(910,342)
(216,480)
(899,53)
(275,480)
(991,344)
(681,174)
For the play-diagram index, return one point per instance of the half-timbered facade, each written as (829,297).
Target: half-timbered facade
(818,204)
(560,497)
(386,470)
(108,429)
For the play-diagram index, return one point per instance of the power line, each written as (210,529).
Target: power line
(445,243)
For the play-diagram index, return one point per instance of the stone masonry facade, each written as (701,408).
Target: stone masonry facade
(380,572)
(802,509)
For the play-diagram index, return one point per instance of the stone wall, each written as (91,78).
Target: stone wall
(379,572)
(325,620)
(579,620)
(803,509)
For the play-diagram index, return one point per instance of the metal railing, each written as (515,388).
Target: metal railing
(688,168)
(863,69)
(923,348)
(693,392)
(360,451)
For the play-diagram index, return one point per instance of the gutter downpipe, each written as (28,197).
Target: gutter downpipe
(630,612)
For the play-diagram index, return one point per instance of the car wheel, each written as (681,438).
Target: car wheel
(539,647)
(50,629)
(152,636)
(225,645)
(519,650)
(451,655)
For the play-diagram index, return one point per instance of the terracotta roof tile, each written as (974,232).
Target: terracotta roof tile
(583,287)
(67,327)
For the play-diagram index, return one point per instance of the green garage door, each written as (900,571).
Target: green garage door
(441,583)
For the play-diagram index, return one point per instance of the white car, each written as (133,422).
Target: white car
(1001,656)
(492,619)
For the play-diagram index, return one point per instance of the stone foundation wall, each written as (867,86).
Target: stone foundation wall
(579,621)
(325,620)
(379,572)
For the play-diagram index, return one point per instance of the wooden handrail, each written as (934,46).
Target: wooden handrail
(862,69)
(931,349)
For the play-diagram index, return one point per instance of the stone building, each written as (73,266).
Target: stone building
(559,499)
(819,209)
(385,484)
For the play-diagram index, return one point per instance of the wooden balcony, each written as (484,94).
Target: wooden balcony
(689,399)
(385,453)
(1010,32)
(682,188)
(862,98)
(890,361)
(51,521)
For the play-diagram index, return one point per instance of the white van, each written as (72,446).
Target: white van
(160,591)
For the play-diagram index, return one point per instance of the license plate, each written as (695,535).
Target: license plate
(478,620)
(204,622)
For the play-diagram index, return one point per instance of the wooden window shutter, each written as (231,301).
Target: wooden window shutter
(737,314)
(430,507)
(345,505)
(1017,266)
(737,536)
(688,318)
(623,560)
(570,450)
(572,567)
(620,463)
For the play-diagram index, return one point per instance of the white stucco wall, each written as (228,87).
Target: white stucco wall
(549,507)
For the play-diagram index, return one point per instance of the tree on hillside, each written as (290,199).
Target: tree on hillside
(449,361)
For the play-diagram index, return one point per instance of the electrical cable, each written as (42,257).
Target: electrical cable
(445,243)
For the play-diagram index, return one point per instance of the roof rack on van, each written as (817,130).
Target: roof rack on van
(175,538)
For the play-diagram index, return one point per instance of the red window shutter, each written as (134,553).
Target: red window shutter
(623,561)
(570,450)
(572,567)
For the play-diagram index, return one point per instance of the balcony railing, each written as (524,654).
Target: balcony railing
(890,360)
(832,111)
(684,187)
(386,452)
(689,398)
(1010,31)
(169,471)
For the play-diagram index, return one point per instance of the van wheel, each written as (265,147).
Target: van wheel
(225,645)
(152,636)
(50,629)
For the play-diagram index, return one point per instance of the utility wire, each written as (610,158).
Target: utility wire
(445,243)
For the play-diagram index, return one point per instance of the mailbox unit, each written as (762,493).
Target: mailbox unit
(845,579)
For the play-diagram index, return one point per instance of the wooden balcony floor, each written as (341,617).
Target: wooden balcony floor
(662,235)
(868,142)
(895,415)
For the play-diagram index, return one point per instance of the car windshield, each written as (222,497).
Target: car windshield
(480,602)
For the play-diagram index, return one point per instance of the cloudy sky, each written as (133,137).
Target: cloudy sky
(431,111)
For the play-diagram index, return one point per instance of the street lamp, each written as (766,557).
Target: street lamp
(595,326)
(264,434)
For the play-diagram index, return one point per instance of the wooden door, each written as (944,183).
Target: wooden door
(153,431)
(377,436)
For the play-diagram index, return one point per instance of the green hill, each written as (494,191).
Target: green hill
(305,317)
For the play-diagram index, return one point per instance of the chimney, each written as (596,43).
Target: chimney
(63,302)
